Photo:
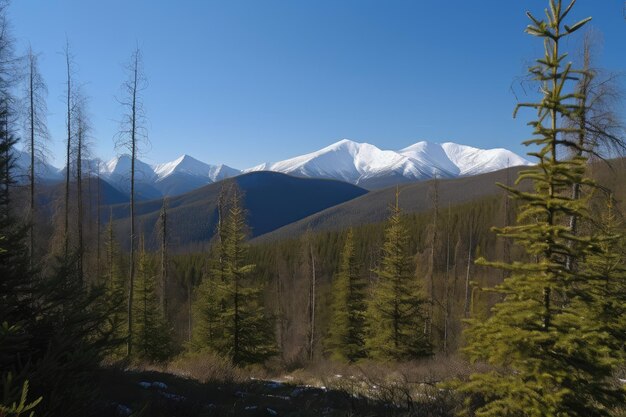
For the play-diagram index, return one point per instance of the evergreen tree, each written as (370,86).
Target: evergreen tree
(153,340)
(235,323)
(395,314)
(346,340)
(607,286)
(551,356)
(115,283)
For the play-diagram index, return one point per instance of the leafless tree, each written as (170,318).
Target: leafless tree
(131,136)
(36,128)
(600,131)
(69,102)
(9,74)
(82,131)
(164,257)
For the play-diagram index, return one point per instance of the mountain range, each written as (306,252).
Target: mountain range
(360,164)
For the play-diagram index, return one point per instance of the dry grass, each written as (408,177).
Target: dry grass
(204,367)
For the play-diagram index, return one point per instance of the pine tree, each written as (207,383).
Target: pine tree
(607,268)
(346,340)
(153,339)
(551,357)
(235,323)
(115,283)
(395,315)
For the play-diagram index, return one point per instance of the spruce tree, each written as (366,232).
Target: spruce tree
(153,340)
(550,355)
(346,341)
(235,323)
(607,286)
(114,281)
(395,316)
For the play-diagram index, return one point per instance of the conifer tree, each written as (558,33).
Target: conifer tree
(235,323)
(115,284)
(551,356)
(153,340)
(347,332)
(607,286)
(395,316)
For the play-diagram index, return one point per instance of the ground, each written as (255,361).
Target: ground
(150,393)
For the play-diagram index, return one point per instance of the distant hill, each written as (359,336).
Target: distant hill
(271,199)
(416,197)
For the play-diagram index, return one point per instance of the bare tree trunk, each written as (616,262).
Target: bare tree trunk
(66,236)
(7,138)
(189,329)
(133,158)
(98,227)
(312,303)
(164,260)
(79,195)
(446,302)
(583,90)
(31,121)
(431,263)
(466,308)
(110,248)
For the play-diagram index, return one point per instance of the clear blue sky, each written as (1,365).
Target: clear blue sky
(243,82)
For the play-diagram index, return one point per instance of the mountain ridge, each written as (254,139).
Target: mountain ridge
(361,164)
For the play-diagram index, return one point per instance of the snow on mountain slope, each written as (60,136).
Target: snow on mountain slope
(348,161)
(366,165)
(361,164)
(473,161)
(432,157)
(184,164)
(221,172)
(118,170)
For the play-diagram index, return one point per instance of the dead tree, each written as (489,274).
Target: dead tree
(36,128)
(164,258)
(82,133)
(68,148)
(131,135)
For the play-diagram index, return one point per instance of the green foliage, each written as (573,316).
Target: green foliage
(607,286)
(114,280)
(152,334)
(233,321)
(551,356)
(346,340)
(395,316)
(54,331)
(15,406)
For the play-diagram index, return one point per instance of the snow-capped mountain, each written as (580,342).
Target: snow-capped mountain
(473,161)
(361,164)
(171,178)
(366,165)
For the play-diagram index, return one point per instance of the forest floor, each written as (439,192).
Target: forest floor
(161,393)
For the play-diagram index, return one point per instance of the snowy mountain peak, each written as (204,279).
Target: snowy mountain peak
(183,164)
(472,161)
(367,165)
(358,163)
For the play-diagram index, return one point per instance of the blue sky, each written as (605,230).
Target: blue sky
(244,82)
